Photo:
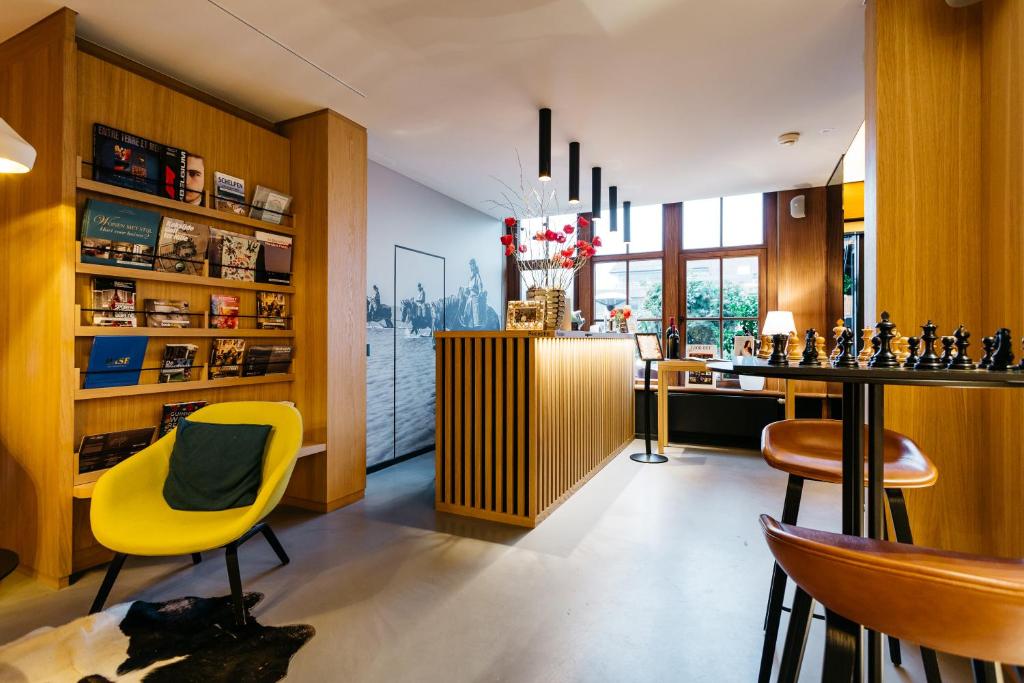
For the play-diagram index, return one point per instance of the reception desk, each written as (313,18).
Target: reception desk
(524,419)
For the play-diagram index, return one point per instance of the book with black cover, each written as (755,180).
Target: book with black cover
(257,361)
(102,451)
(115,361)
(167,313)
(275,260)
(118,235)
(113,302)
(271,311)
(182,246)
(172,412)
(134,162)
(226,357)
(177,362)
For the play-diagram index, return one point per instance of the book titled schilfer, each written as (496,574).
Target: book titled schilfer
(118,235)
(115,362)
(131,161)
(230,194)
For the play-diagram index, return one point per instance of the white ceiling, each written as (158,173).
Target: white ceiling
(675,99)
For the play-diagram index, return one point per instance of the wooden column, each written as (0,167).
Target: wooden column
(328,160)
(37,238)
(672,239)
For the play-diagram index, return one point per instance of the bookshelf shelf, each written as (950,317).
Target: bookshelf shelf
(199,332)
(87,185)
(171,387)
(159,276)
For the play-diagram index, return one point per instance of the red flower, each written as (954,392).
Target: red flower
(597,240)
(522,248)
(626,313)
(506,239)
(560,238)
(583,244)
(509,250)
(566,253)
(582,222)
(568,229)
(568,263)
(550,235)
(510,222)
(539,236)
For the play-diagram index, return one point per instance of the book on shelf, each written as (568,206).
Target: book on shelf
(269,205)
(115,361)
(700,352)
(224,311)
(226,357)
(134,162)
(274,264)
(195,180)
(167,313)
(267,360)
(182,246)
(173,412)
(232,256)
(118,235)
(113,302)
(229,194)
(102,451)
(271,311)
(177,362)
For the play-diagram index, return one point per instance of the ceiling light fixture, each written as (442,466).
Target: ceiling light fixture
(625,221)
(16,155)
(544,152)
(789,139)
(595,192)
(574,173)
(613,207)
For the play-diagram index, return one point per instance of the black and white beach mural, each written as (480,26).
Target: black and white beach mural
(430,267)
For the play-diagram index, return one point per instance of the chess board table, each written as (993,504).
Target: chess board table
(859,383)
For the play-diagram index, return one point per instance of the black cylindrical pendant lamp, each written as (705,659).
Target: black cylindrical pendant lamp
(595,191)
(625,221)
(574,173)
(544,153)
(613,207)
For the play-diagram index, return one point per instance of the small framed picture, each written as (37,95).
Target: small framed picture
(649,346)
(525,315)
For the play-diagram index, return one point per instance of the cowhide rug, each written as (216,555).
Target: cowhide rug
(180,641)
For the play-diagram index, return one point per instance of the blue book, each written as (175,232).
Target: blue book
(119,235)
(115,361)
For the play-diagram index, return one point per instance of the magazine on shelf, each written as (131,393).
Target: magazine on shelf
(224,311)
(269,205)
(232,256)
(267,360)
(118,235)
(229,194)
(177,363)
(133,162)
(172,412)
(101,451)
(700,352)
(167,313)
(113,302)
(182,246)
(226,357)
(271,311)
(275,260)
(115,361)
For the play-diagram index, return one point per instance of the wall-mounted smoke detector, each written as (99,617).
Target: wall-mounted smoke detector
(789,139)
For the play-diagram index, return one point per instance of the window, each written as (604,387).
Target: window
(723,300)
(637,282)
(645,228)
(723,222)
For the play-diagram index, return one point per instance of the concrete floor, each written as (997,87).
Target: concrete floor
(649,573)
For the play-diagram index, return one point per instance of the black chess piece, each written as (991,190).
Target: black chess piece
(928,360)
(1020,366)
(962,360)
(947,350)
(884,356)
(845,359)
(912,343)
(989,344)
(810,356)
(1003,355)
(876,344)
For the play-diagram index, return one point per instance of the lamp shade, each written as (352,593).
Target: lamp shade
(16,155)
(595,191)
(613,208)
(779,322)
(544,146)
(574,173)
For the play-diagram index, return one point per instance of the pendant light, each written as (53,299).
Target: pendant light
(595,191)
(16,155)
(544,155)
(613,207)
(625,221)
(574,173)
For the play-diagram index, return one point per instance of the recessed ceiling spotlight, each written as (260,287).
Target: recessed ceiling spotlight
(828,131)
(789,139)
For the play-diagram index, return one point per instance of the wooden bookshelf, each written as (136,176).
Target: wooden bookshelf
(176,278)
(171,387)
(182,332)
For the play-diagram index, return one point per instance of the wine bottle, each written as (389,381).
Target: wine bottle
(672,339)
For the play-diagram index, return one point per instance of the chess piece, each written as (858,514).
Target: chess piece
(837,335)
(1020,366)
(912,344)
(962,341)
(989,344)
(900,347)
(946,359)
(929,360)
(884,357)
(793,348)
(810,356)
(819,343)
(866,350)
(845,359)
(1003,355)
(779,343)
(766,347)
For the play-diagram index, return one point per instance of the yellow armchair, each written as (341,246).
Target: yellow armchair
(130,516)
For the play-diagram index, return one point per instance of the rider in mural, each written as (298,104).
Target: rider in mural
(474,297)
(421,299)
(374,304)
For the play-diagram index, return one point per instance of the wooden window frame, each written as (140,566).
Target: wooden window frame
(617,258)
(730,252)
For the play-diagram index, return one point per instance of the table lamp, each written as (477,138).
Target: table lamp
(778,324)
(16,155)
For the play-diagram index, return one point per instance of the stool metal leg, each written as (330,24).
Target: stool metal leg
(796,637)
(901,525)
(840,648)
(777,592)
(984,672)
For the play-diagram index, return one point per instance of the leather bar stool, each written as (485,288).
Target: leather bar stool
(968,605)
(813,449)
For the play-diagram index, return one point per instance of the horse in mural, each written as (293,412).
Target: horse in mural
(378,314)
(417,318)
(466,312)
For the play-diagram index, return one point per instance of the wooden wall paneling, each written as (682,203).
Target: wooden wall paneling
(328,162)
(37,98)
(583,283)
(834,256)
(924,177)
(672,236)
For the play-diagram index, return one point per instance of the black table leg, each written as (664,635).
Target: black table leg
(876,510)
(853,482)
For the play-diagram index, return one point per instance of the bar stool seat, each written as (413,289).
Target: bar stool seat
(968,605)
(813,449)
